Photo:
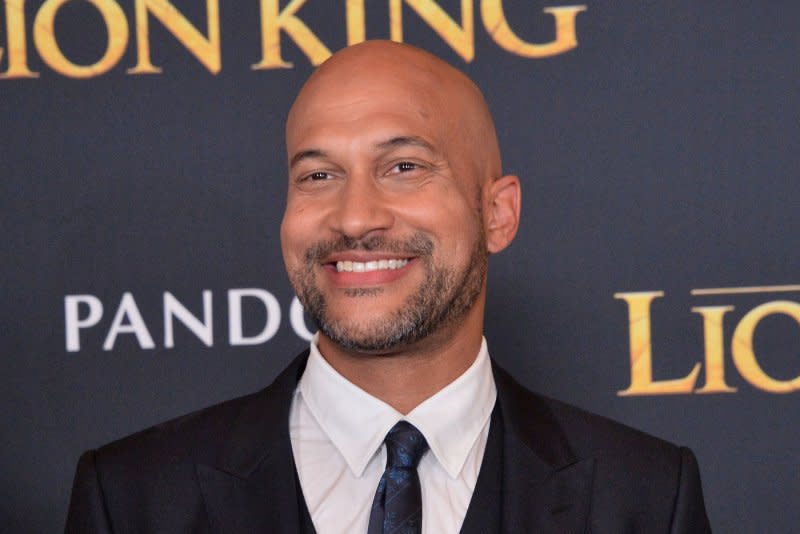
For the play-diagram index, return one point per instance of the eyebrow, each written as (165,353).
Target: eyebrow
(307,154)
(394,142)
(405,140)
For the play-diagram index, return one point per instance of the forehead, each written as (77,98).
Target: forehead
(361,105)
(362,126)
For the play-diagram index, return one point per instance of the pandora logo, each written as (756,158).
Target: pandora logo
(82,312)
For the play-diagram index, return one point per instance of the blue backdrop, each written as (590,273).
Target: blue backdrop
(144,176)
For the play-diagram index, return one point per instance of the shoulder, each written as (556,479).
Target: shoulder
(637,479)
(593,434)
(140,481)
(149,481)
(559,432)
(192,437)
(202,436)
(625,457)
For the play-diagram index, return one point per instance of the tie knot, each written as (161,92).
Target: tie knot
(405,446)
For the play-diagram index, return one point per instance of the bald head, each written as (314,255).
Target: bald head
(402,79)
(395,201)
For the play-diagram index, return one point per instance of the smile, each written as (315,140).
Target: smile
(369,266)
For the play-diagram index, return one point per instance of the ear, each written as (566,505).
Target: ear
(501,212)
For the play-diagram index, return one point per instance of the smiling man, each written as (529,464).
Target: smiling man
(395,201)
(395,419)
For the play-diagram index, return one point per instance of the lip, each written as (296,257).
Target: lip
(353,279)
(364,256)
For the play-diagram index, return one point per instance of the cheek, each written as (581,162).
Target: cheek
(452,222)
(293,238)
(303,217)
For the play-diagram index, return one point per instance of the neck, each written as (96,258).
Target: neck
(406,377)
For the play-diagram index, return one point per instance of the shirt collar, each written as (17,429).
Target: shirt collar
(357,423)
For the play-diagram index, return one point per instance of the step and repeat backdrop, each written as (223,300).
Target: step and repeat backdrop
(654,280)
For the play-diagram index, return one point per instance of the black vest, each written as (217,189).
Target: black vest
(483,514)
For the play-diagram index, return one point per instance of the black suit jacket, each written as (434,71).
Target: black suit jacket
(229,468)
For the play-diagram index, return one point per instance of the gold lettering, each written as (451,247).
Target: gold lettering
(17,48)
(641,352)
(206,50)
(45,40)
(714,353)
(272,22)
(742,347)
(460,38)
(494,20)
(356,25)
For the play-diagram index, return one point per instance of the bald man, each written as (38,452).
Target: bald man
(395,419)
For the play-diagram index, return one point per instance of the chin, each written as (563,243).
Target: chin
(376,337)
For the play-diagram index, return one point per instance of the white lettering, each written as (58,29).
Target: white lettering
(203,330)
(128,309)
(235,333)
(73,322)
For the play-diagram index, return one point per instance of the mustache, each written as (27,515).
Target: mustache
(418,244)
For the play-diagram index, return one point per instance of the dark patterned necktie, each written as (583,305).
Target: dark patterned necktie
(397,508)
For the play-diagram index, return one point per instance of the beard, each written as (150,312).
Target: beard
(444,297)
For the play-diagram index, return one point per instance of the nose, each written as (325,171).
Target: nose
(361,207)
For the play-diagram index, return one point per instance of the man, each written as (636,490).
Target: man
(395,420)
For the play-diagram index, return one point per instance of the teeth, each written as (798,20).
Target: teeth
(365,267)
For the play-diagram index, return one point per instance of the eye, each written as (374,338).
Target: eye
(317,176)
(405,166)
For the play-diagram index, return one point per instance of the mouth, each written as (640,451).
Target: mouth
(349,266)
(365,270)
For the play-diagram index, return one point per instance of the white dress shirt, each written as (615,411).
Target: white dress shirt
(337,432)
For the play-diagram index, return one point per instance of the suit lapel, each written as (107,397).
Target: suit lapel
(252,485)
(546,488)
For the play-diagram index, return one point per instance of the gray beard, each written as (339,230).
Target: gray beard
(443,298)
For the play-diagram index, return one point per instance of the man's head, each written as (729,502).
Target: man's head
(395,198)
